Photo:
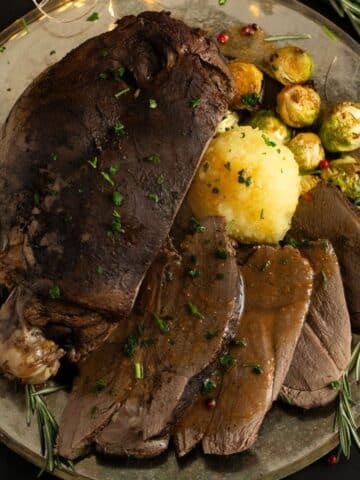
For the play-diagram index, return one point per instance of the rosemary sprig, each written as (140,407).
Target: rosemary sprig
(351,8)
(47,425)
(280,38)
(344,419)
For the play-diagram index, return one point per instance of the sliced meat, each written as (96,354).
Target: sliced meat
(183,300)
(326,213)
(278,286)
(84,130)
(324,349)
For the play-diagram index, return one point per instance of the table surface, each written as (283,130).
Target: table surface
(12,467)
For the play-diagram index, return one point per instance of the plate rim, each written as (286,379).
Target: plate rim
(34,15)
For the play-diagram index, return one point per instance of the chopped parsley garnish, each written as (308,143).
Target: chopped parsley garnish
(103,76)
(107,177)
(116,225)
(193,258)
(221,254)
(154,197)
(303,172)
(267,141)
(324,279)
(139,371)
(291,242)
(227,165)
(2,48)
(195,102)
(196,226)
(130,346)
(100,386)
(113,170)
(220,276)
(206,166)
(208,386)
(256,367)
(250,99)
(162,324)
(325,245)
(94,162)
(153,104)
(117,199)
(237,342)
(275,68)
(211,335)
(119,72)
(93,411)
(243,179)
(222,2)
(54,157)
(100,270)
(36,199)
(141,328)
(169,276)
(193,273)
(122,92)
(227,361)
(194,311)
(119,129)
(93,17)
(54,292)
(334,385)
(154,158)
(52,52)
(104,53)
(160,180)
(262,214)
(215,190)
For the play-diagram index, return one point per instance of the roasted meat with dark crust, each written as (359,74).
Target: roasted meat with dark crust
(92,174)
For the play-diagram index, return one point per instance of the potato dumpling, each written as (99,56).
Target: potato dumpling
(252,181)
(249,81)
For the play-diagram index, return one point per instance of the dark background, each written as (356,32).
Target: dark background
(13,467)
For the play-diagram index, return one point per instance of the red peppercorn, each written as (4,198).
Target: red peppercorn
(211,403)
(308,196)
(223,37)
(324,164)
(331,460)
(250,29)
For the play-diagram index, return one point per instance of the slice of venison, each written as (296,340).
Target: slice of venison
(182,299)
(278,285)
(326,213)
(324,349)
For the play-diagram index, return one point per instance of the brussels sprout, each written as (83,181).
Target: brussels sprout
(298,105)
(249,82)
(340,129)
(267,121)
(307,183)
(229,120)
(307,149)
(291,65)
(345,174)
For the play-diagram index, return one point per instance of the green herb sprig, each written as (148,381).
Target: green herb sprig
(344,419)
(47,424)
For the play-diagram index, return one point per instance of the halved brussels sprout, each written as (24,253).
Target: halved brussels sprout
(340,128)
(268,122)
(249,81)
(291,65)
(298,105)
(307,149)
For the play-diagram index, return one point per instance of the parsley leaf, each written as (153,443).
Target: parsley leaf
(93,17)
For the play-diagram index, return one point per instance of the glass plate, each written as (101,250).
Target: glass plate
(288,441)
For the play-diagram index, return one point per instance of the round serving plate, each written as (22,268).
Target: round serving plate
(289,440)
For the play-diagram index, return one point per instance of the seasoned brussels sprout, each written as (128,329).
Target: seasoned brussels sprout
(345,174)
(291,65)
(298,105)
(307,183)
(230,119)
(268,122)
(307,149)
(249,82)
(340,129)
